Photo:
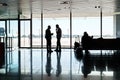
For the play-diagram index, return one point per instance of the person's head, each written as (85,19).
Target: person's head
(57,26)
(85,33)
(49,27)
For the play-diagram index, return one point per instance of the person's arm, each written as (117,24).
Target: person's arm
(51,33)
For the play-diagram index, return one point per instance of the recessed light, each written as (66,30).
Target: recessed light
(65,2)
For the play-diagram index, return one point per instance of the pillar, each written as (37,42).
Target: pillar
(117,25)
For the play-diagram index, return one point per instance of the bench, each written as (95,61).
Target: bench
(102,44)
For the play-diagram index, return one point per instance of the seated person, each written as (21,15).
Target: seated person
(86,39)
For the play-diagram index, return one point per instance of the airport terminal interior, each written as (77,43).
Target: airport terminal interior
(23,50)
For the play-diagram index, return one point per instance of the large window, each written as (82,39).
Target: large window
(36,29)
(12,31)
(79,25)
(25,33)
(64,24)
(108,27)
(92,26)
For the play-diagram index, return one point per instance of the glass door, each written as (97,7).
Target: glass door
(25,33)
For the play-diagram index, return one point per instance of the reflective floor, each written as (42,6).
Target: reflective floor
(37,64)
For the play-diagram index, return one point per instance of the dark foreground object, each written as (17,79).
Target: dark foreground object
(102,44)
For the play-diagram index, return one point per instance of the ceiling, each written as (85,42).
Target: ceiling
(57,8)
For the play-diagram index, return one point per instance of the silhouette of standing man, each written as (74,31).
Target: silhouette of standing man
(48,35)
(58,36)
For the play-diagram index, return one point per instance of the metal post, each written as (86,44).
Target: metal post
(19,34)
(100,21)
(31,31)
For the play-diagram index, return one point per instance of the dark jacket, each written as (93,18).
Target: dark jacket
(59,32)
(48,34)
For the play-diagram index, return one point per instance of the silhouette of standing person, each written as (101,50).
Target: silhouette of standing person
(58,36)
(48,35)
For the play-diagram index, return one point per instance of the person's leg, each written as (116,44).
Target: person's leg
(50,46)
(59,45)
(56,45)
(47,45)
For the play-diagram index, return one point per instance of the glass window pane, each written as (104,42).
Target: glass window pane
(12,30)
(36,31)
(25,33)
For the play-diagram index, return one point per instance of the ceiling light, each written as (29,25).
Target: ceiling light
(65,2)
(97,6)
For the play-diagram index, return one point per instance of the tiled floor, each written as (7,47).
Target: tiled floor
(37,64)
